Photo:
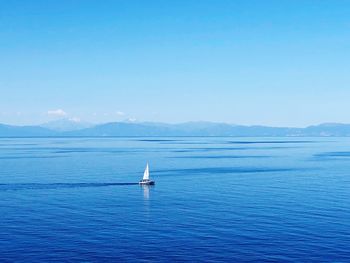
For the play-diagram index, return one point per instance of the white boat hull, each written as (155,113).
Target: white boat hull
(146,182)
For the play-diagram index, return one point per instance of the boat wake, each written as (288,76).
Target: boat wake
(39,186)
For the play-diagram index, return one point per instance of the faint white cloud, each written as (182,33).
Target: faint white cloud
(58,112)
(74,119)
(120,113)
(131,120)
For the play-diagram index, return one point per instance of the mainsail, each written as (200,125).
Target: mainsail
(146,173)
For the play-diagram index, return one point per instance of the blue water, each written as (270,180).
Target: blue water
(215,199)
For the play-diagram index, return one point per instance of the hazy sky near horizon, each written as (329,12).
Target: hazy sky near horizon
(281,63)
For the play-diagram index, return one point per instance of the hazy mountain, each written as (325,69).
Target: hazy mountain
(64,128)
(328,129)
(208,129)
(125,129)
(24,131)
(66,125)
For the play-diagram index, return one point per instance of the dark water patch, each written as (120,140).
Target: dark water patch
(333,154)
(208,149)
(222,170)
(63,142)
(38,186)
(111,150)
(18,144)
(158,140)
(221,157)
(32,148)
(31,157)
(189,142)
(268,142)
(72,149)
(92,150)
(63,150)
(328,156)
(173,141)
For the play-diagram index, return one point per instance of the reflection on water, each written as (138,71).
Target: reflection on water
(146,191)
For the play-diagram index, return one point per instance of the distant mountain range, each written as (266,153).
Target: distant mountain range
(71,128)
(63,125)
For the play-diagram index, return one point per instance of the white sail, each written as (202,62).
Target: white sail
(146,173)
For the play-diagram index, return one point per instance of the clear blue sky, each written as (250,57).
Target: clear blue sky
(246,62)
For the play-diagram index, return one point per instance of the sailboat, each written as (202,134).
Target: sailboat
(145,180)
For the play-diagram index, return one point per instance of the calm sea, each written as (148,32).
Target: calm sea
(215,199)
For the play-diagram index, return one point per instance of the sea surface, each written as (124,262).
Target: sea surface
(215,199)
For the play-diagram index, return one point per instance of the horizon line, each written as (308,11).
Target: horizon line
(174,123)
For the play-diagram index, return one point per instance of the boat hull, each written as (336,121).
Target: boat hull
(146,182)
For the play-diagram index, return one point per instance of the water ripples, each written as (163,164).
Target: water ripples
(235,199)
